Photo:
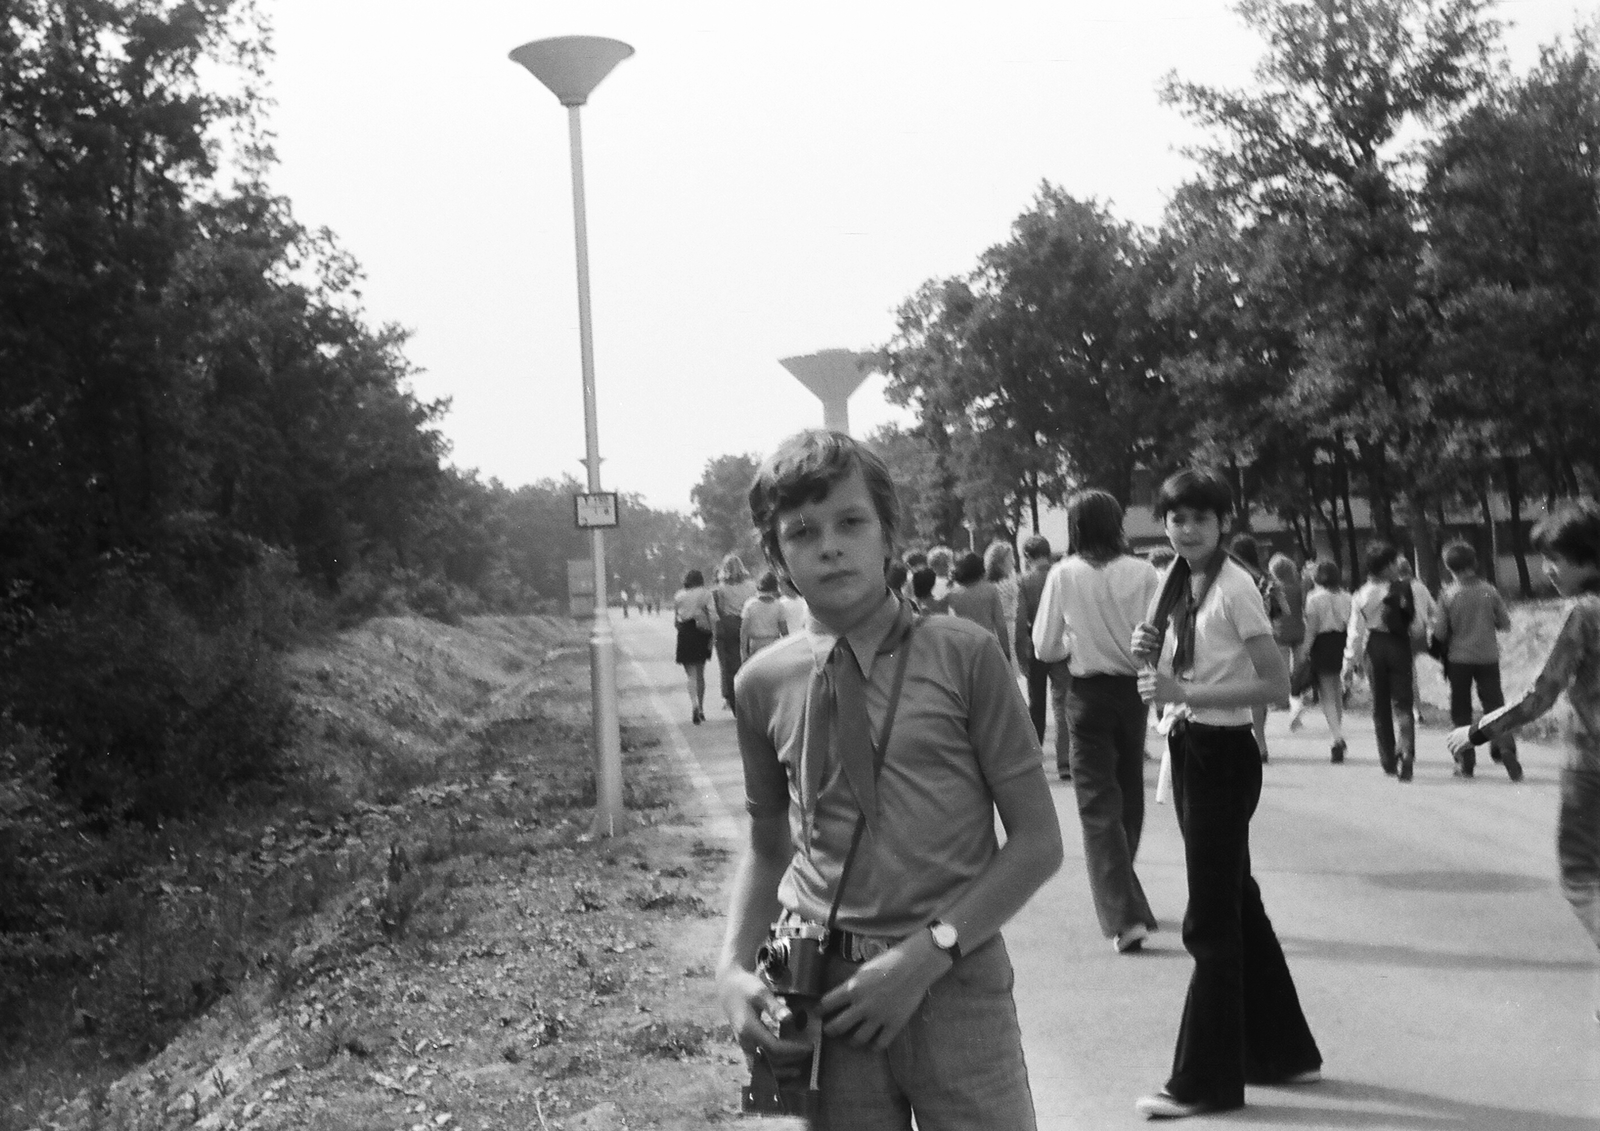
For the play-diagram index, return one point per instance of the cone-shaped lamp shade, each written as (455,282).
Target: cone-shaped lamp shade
(832,375)
(572,65)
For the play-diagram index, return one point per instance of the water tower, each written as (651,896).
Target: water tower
(832,375)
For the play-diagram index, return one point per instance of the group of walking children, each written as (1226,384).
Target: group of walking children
(736,618)
(863,967)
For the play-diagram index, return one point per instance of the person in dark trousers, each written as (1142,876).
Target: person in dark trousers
(1469,614)
(1382,619)
(1212,655)
(733,588)
(883,839)
(1035,568)
(1094,599)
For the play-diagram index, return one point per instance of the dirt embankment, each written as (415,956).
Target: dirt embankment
(475,958)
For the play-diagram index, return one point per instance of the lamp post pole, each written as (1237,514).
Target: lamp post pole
(572,66)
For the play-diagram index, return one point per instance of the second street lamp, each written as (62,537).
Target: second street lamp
(572,66)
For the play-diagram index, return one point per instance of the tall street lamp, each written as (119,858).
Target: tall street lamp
(572,66)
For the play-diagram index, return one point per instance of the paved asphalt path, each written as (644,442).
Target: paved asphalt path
(1446,981)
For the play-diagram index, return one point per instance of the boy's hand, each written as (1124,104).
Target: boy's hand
(1457,742)
(876,1002)
(1146,643)
(1158,687)
(746,1000)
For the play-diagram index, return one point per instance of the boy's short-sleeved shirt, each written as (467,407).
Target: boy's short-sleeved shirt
(960,730)
(1468,616)
(1231,613)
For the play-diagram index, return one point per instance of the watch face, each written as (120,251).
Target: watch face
(944,935)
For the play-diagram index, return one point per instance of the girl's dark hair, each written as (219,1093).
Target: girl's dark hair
(1202,488)
(969,569)
(767,582)
(1380,556)
(897,574)
(803,469)
(1573,532)
(1327,574)
(1247,550)
(1094,526)
(694,579)
(922,580)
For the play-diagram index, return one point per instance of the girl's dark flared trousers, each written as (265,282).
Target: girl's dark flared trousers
(1242,1019)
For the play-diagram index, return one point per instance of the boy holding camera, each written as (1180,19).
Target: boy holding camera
(877,749)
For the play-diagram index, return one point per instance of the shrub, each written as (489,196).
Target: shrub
(151,715)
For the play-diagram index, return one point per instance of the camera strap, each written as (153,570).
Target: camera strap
(880,747)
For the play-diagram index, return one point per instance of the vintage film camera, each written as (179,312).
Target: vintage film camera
(792,963)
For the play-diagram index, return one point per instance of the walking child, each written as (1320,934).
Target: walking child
(1327,619)
(1208,629)
(1466,620)
(1382,625)
(1091,602)
(878,748)
(1570,542)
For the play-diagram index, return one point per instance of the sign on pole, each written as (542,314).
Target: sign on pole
(580,587)
(595,510)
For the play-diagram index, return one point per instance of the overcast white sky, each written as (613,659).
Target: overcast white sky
(763,180)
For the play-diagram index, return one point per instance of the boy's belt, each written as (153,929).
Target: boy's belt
(860,948)
(1211,728)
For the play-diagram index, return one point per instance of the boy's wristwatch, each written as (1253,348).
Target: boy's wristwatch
(945,938)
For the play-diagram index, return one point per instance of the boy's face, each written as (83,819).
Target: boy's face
(835,550)
(1194,533)
(1567,575)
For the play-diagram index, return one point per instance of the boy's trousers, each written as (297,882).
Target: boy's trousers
(1487,677)
(1391,671)
(1578,845)
(1242,1019)
(957,1064)
(1108,728)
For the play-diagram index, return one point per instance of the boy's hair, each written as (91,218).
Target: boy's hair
(1282,567)
(915,559)
(1202,488)
(1327,574)
(939,559)
(1573,532)
(922,583)
(1094,525)
(1247,550)
(997,561)
(969,568)
(1380,556)
(1460,558)
(732,570)
(694,579)
(767,582)
(1036,547)
(803,469)
(896,575)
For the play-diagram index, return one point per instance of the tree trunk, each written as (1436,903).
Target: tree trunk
(1508,467)
(1492,567)
(1378,497)
(1425,547)
(1342,472)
